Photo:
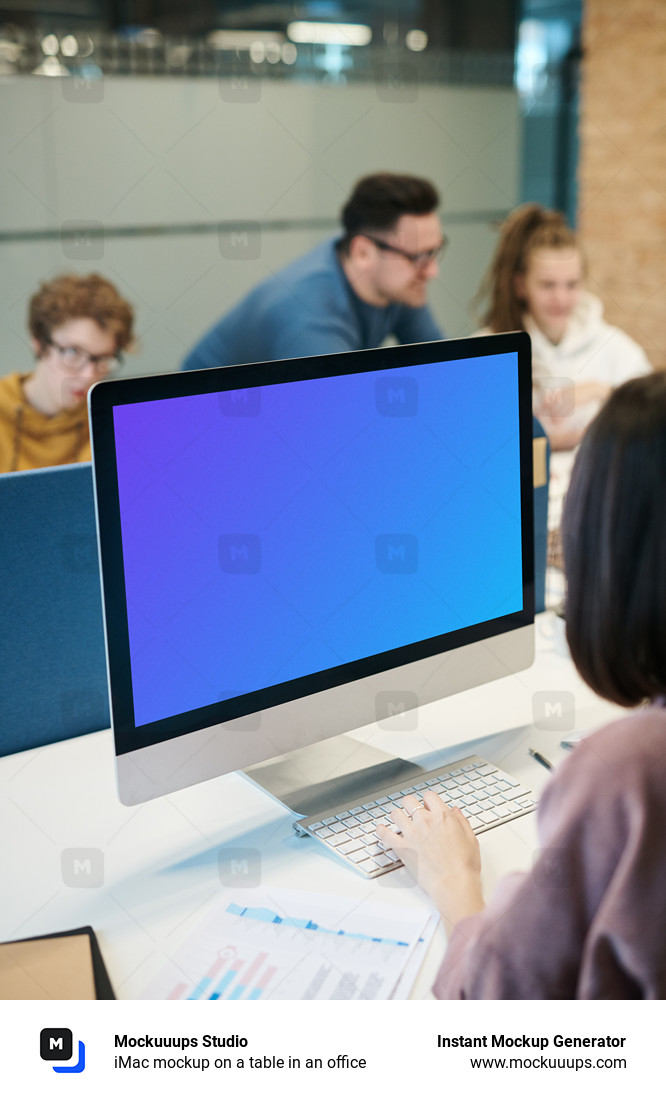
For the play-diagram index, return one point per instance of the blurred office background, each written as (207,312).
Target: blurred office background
(186,151)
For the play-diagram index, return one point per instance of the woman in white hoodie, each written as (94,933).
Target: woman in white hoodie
(535,282)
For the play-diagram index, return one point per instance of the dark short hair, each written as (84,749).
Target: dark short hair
(70,297)
(614,543)
(378,201)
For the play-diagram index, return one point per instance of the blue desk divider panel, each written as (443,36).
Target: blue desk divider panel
(52,664)
(541,477)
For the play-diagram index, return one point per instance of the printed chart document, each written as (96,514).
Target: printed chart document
(291,945)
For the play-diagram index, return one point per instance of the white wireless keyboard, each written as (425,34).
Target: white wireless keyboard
(486,795)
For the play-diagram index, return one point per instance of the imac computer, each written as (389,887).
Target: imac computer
(293,550)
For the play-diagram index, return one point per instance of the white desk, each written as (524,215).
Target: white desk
(161,858)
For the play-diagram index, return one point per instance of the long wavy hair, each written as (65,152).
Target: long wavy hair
(527,228)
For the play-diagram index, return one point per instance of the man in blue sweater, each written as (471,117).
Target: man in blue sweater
(345,294)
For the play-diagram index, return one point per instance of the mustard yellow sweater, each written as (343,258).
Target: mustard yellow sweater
(28,439)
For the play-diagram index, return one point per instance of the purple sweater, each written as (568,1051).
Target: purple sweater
(589,920)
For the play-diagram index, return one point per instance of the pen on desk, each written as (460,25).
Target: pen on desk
(541,759)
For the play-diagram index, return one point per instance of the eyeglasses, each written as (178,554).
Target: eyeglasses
(419,259)
(76,359)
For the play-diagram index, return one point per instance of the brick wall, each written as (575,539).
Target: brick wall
(622,169)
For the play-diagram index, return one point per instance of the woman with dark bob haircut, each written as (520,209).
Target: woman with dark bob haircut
(588,920)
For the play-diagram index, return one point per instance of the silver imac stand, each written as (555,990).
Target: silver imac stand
(318,777)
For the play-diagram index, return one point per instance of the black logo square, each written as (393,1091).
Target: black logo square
(55,1044)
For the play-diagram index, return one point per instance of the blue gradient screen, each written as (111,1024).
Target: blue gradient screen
(273,532)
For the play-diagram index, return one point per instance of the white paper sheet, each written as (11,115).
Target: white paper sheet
(292,945)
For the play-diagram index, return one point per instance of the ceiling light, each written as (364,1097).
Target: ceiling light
(50,45)
(50,66)
(241,40)
(69,46)
(86,45)
(333,34)
(416,40)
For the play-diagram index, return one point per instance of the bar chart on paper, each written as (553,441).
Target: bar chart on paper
(295,946)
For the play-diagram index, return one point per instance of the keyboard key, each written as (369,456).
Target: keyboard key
(323,833)
(336,826)
(336,839)
(350,846)
(357,857)
(487,816)
(512,807)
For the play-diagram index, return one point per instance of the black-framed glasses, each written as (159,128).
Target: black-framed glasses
(419,259)
(76,359)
